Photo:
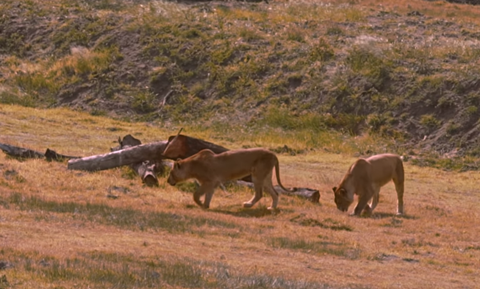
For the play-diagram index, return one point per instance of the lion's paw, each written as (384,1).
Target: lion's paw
(367,211)
(247,205)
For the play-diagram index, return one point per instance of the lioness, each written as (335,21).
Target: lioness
(212,169)
(365,178)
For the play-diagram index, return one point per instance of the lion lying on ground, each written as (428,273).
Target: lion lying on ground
(211,170)
(365,178)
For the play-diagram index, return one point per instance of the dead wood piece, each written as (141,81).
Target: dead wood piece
(306,193)
(309,194)
(23,153)
(52,155)
(19,152)
(147,172)
(127,141)
(181,146)
(146,169)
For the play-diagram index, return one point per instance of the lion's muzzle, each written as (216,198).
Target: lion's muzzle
(171,181)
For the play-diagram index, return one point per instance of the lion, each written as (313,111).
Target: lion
(365,178)
(211,170)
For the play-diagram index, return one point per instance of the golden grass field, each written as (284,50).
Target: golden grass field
(58,228)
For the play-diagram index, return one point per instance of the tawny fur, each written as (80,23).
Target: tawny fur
(365,178)
(211,170)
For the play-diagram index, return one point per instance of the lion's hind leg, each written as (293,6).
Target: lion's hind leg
(268,187)
(399,180)
(257,186)
(260,172)
(368,211)
(399,187)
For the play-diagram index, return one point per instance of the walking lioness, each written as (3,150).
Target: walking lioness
(212,169)
(365,178)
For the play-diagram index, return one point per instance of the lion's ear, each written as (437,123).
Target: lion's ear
(334,189)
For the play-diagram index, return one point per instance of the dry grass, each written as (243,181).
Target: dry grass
(59,230)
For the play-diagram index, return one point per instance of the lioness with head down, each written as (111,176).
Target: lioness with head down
(212,169)
(365,178)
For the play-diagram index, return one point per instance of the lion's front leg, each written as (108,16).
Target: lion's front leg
(399,188)
(363,199)
(206,189)
(368,210)
(196,197)
(209,190)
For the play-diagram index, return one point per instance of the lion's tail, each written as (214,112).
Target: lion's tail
(277,173)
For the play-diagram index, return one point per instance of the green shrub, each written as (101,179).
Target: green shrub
(429,121)
(452,127)
(376,67)
(144,102)
(321,51)
(7,97)
(471,110)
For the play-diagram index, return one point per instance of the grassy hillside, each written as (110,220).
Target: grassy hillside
(60,229)
(404,71)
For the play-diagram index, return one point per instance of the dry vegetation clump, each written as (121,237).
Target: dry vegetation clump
(60,228)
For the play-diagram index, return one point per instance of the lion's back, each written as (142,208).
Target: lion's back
(384,167)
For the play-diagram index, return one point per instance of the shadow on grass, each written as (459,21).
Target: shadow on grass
(121,217)
(316,247)
(326,223)
(117,270)
(377,215)
(249,213)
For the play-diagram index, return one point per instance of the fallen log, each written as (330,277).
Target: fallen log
(123,157)
(23,153)
(179,146)
(19,152)
(147,169)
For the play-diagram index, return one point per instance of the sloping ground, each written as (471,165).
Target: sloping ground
(411,75)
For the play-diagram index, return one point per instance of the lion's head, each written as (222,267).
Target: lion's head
(177,174)
(342,199)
